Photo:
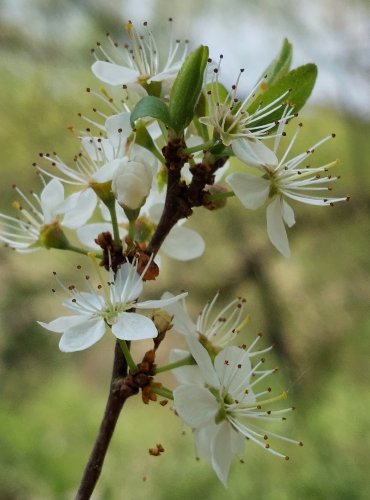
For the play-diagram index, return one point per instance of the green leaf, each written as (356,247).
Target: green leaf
(187,88)
(280,65)
(150,106)
(299,82)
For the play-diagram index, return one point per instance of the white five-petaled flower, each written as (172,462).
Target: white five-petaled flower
(139,63)
(238,128)
(224,409)
(109,305)
(40,220)
(284,179)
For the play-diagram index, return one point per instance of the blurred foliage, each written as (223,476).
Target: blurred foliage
(313,307)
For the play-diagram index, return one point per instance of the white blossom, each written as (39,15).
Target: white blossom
(225,408)
(238,128)
(110,304)
(139,63)
(40,220)
(281,180)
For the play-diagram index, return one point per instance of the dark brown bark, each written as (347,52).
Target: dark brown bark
(116,400)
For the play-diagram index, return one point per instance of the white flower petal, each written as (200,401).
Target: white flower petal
(85,303)
(168,74)
(195,405)
(288,214)
(106,172)
(225,445)
(113,74)
(88,233)
(251,190)
(79,208)
(275,227)
(52,196)
(201,356)
(253,152)
(203,437)
(128,283)
(132,326)
(82,336)
(181,321)
(63,323)
(188,374)
(183,244)
(118,122)
(156,304)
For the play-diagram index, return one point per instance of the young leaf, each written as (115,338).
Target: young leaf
(150,106)
(280,65)
(299,82)
(187,88)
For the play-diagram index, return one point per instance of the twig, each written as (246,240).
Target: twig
(116,400)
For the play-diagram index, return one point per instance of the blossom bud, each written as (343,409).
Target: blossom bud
(162,321)
(214,198)
(132,182)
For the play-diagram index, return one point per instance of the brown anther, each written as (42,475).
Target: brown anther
(156,451)
(164,402)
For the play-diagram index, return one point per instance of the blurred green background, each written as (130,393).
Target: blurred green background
(314,307)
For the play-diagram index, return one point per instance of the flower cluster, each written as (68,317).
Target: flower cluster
(168,137)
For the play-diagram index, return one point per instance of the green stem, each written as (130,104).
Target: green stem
(163,391)
(131,229)
(126,352)
(219,196)
(112,210)
(200,147)
(189,360)
(82,251)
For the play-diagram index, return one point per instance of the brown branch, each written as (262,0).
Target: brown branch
(180,200)
(180,197)
(116,400)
